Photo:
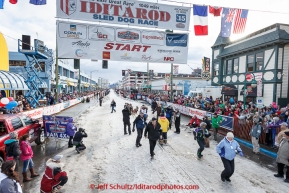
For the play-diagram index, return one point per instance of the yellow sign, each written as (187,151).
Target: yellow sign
(4,56)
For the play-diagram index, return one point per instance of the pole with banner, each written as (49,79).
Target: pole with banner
(176,69)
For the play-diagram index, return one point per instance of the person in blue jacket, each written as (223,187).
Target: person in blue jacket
(70,131)
(169,114)
(227,150)
(140,124)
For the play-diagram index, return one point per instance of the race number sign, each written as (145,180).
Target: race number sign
(88,41)
(133,13)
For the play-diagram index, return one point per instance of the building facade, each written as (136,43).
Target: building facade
(68,76)
(263,56)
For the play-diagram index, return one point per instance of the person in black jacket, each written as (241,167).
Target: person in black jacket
(126,119)
(12,149)
(200,134)
(77,140)
(177,121)
(113,105)
(208,127)
(154,106)
(154,131)
(100,100)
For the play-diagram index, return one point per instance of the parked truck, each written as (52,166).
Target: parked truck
(214,91)
(22,124)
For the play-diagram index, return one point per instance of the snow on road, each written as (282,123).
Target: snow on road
(111,158)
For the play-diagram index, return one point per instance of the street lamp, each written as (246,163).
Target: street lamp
(245,93)
(90,77)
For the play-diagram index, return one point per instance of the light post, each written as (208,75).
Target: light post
(245,93)
(90,78)
(171,77)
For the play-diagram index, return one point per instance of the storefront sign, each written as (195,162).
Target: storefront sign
(122,44)
(133,13)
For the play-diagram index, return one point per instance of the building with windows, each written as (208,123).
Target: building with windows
(68,76)
(263,56)
(103,83)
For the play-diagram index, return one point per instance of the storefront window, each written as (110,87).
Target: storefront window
(216,69)
(250,63)
(236,65)
(259,61)
(229,66)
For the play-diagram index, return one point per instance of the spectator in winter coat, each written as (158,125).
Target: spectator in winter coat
(200,134)
(274,125)
(255,134)
(54,178)
(283,157)
(284,128)
(227,150)
(126,119)
(177,121)
(9,180)
(216,121)
(26,156)
(12,149)
(70,131)
(154,131)
(208,127)
(77,140)
(169,114)
(159,110)
(164,122)
(140,123)
(194,122)
(154,106)
(113,105)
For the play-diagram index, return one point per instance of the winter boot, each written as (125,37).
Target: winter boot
(165,141)
(25,177)
(161,142)
(33,174)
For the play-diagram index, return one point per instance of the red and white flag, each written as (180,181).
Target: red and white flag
(240,21)
(216,11)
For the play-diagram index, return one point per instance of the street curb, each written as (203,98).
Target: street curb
(262,150)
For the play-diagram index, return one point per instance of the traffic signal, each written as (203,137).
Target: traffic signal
(123,72)
(104,64)
(76,63)
(138,74)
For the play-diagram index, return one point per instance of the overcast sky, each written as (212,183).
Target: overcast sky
(27,19)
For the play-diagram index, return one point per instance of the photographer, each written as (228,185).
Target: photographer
(77,140)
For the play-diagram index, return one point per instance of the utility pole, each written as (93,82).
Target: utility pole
(56,72)
(79,79)
(148,77)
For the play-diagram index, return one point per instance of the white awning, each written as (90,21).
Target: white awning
(12,81)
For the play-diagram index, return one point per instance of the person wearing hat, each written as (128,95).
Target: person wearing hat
(126,119)
(54,178)
(140,123)
(200,134)
(255,134)
(177,116)
(283,157)
(77,140)
(12,148)
(164,122)
(227,150)
(154,132)
(284,128)
(216,121)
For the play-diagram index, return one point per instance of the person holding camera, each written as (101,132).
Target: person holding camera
(77,140)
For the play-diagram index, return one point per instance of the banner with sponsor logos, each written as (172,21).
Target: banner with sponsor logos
(133,13)
(55,126)
(88,41)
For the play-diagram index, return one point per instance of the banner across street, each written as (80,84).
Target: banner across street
(88,41)
(133,13)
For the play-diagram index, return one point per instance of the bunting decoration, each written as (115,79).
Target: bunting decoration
(240,21)
(38,2)
(227,21)
(2,4)
(13,1)
(216,11)
(200,20)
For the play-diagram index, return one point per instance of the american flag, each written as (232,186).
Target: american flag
(240,21)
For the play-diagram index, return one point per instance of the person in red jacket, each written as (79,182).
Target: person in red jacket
(194,122)
(54,178)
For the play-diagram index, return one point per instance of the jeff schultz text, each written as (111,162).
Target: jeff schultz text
(143,187)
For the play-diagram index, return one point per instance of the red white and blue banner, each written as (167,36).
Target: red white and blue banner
(200,20)
(90,41)
(133,13)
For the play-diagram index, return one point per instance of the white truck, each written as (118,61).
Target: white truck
(214,91)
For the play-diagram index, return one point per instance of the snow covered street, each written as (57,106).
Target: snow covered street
(111,158)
